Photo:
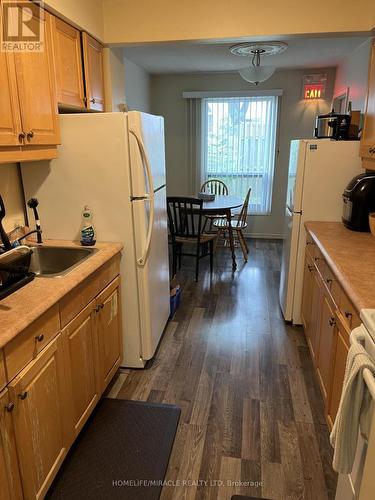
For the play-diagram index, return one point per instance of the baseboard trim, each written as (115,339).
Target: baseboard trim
(264,236)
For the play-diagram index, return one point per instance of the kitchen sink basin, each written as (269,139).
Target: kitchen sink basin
(57,261)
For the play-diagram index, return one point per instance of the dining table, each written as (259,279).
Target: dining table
(223,205)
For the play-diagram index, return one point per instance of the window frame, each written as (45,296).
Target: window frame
(268,184)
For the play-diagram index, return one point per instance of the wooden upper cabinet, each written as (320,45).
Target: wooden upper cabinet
(367,149)
(67,56)
(10,118)
(93,70)
(36,90)
(10,485)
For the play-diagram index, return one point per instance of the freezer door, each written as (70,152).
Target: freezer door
(153,274)
(289,263)
(147,130)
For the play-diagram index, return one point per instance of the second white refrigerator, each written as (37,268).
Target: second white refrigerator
(115,164)
(319,171)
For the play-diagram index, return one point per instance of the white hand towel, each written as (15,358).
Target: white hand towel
(354,409)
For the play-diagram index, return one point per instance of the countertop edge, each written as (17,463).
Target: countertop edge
(339,275)
(106,251)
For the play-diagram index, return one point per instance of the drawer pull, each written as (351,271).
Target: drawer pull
(39,338)
(311,268)
(348,314)
(329,281)
(317,258)
(332,321)
(30,135)
(9,407)
(23,395)
(309,243)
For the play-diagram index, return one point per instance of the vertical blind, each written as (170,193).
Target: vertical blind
(238,146)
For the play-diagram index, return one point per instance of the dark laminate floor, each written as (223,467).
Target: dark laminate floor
(251,406)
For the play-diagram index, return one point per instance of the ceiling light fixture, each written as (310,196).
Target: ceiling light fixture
(256,73)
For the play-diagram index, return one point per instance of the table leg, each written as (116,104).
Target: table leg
(231,240)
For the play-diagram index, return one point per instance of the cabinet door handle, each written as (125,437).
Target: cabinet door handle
(93,100)
(348,314)
(23,395)
(9,407)
(329,281)
(30,135)
(332,321)
(371,150)
(311,268)
(317,258)
(21,136)
(309,243)
(39,338)
(98,307)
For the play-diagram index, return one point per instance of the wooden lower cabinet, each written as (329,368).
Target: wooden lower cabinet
(307,294)
(40,419)
(10,485)
(45,405)
(109,336)
(325,347)
(341,349)
(80,366)
(313,329)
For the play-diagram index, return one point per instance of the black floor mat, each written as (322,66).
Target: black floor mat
(122,453)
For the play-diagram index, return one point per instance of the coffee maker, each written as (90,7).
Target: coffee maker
(359,201)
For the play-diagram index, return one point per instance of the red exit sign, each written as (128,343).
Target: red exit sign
(314,86)
(313,91)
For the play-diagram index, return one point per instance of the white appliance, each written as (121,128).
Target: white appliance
(115,164)
(360,483)
(319,171)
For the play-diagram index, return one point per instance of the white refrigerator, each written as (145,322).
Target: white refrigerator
(115,164)
(319,171)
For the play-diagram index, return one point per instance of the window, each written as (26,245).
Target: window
(238,146)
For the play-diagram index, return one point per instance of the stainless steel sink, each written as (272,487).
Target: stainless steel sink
(57,261)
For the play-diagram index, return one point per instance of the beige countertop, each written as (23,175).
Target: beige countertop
(351,257)
(20,309)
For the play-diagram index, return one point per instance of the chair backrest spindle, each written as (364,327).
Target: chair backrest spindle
(214,186)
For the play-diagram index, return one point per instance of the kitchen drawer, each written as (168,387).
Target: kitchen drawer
(310,245)
(348,311)
(27,345)
(332,285)
(320,261)
(3,378)
(85,292)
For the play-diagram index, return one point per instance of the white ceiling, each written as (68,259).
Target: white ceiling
(205,57)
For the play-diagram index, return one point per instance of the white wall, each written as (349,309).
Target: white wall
(127,21)
(353,73)
(85,14)
(10,190)
(297,120)
(114,78)
(137,87)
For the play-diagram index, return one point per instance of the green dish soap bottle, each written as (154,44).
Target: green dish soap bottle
(87,228)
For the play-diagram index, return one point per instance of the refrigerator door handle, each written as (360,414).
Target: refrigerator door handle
(141,261)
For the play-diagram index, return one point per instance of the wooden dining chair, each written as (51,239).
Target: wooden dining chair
(185,228)
(238,225)
(216,187)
